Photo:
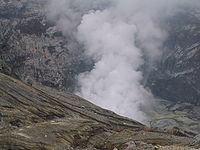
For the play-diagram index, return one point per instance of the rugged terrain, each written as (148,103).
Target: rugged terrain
(45,119)
(34,50)
(176,77)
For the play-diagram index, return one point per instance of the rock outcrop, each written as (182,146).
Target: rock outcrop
(34,50)
(45,119)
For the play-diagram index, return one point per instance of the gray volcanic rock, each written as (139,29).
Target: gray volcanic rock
(177,78)
(45,119)
(34,50)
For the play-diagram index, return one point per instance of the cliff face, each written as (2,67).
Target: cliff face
(33,118)
(177,76)
(34,50)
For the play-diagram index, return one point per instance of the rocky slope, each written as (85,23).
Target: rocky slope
(45,119)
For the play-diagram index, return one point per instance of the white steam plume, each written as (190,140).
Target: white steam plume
(117,34)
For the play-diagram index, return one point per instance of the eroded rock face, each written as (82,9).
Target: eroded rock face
(45,119)
(176,78)
(34,50)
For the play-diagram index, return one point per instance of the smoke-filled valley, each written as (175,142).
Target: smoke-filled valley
(122,38)
(139,59)
(134,65)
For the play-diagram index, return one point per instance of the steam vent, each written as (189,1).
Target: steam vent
(99,75)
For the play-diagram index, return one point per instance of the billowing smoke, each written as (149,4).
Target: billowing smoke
(117,35)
